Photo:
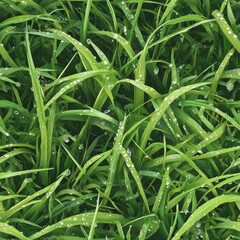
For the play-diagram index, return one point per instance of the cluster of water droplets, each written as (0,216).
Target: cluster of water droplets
(229,30)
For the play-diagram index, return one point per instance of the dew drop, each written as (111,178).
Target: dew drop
(130,16)
(156,70)
(66,140)
(102,123)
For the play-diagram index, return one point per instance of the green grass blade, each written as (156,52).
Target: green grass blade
(18,173)
(219,72)
(226,29)
(157,114)
(84,219)
(44,161)
(10,230)
(203,210)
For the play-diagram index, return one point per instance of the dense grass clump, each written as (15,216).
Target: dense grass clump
(119,119)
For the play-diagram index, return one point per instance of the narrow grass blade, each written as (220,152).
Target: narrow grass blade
(17,19)
(14,153)
(115,158)
(84,219)
(10,230)
(227,224)
(99,157)
(157,114)
(92,229)
(121,40)
(74,80)
(86,20)
(20,109)
(203,210)
(159,198)
(87,57)
(44,161)
(135,175)
(47,190)
(169,8)
(219,72)
(18,173)
(226,29)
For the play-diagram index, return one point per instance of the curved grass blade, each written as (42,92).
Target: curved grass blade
(199,103)
(3,198)
(8,80)
(14,145)
(47,190)
(226,29)
(84,219)
(87,112)
(140,85)
(87,57)
(159,112)
(99,157)
(121,40)
(100,53)
(227,224)
(20,109)
(10,230)
(220,71)
(13,153)
(17,19)
(202,182)
(74,80)
(203,210)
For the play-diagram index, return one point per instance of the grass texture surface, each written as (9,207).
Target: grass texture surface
(119,119)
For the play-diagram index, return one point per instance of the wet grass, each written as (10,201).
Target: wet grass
(119,119)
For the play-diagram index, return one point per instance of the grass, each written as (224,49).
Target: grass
(119,119)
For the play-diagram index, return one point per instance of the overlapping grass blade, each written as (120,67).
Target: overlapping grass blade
(203,210)
(44,161)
